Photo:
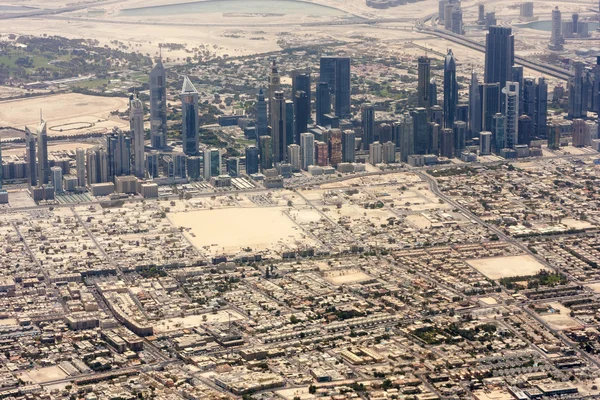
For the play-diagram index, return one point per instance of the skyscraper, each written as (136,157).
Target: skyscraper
(475,111)
(375,153)
(212,163)
(511,112)
(450,90)
(307,149)
(420,131)
(457,20)
(30,157)
(302,111)
(266,152)
(446,143)
(190,123)
(348,146)
(576,86)
(293,151)
(499,132)
(499,55)
(525,129)
(323,102)
(152,161)
(490,103)
(579,133)
(42,154)
(528,101)
(424,78)
(518,75)
(460,135)
(274,86)
(262,122)
(252,160)
(434,137)
(368,124)
(289,123)
(335,147)
(301,83)
(158,105)
(136,120)
(119,154)
(56,179)
(389,152)
(321,154)
(407,137)
(556,40)
(540,120)
(80,166)
(278,128)
(335,71)
(485,143)
(432,92)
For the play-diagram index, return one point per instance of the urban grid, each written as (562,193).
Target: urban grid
(299,200)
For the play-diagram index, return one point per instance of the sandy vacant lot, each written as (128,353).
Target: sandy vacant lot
(561,320)
(63,109)
(503,267)
(42,375)
(341,277)
(193,321)
(228,231)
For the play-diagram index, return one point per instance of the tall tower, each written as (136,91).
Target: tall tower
(540,120)
(119,155)
(576,106)
(474,106)
(274,86)
(136,118)
(30,157)
(323,102)
(511,113)
(556,40)
(499,55)
(190,124)
(407,137)
(262,121)
(423,82)
(278,127)
(420,131)
(368,125)
(450,90)
(42,153)
(307,149)
(158,105)
(80,166)
(302,111)
(348,146)
(335,71)
(301,83)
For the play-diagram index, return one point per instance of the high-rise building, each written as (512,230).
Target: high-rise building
(279,127)
(80,166)
(490,103)
(432,92)
(179,165)
(233,167)
(323,102)
(158,106)
(457,21)
(274,86)
(446,143)
(525,129)
(348,146)
(289,123)
(540,115)
(434,137)
(301,83)
(511,112)
(368,124)
(294,157)
(262,122)
(384,132)
(556,40)
(485,143)
(407,137)
(152,164)
(448,15)
(442,10)
(212,163)
(420,131)
(480,14)
(499,132)
(460,136)
(30,157)
(335,147)
(335,71)
(528,101)
(302,110)
(307,149)
(475,111)
(450,90)
(190,123)
(554,137)
(56,179)
(375,153)
(266,152)
(193,167)
(42,154)
(499,55)
(579,133)
(119,154)
(136,121)
(389,152)
(321,154)
(518,76)
(424,77)
(92,167)
(576,88)
(436,114)
(252,164)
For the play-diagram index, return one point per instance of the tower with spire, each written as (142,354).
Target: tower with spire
(190,123)
(274,86)
(158,105)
